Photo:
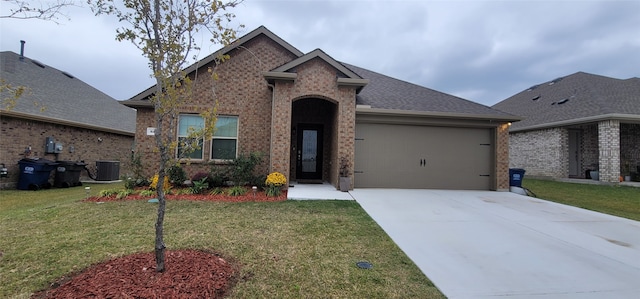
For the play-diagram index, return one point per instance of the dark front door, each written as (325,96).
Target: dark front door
(309,152)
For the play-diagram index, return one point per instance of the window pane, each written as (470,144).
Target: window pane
(194,122)
(226,126)
(193,153)
(223,149)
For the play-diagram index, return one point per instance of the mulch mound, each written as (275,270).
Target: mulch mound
(248,197)
(188,274)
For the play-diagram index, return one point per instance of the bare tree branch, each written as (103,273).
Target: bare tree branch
(42,10)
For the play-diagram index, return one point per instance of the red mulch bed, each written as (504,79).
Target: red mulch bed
(188,274)
(248,197)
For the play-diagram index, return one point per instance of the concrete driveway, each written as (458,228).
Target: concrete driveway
(477,244)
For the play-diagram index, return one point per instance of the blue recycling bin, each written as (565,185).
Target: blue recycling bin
(515,177)
(34,173)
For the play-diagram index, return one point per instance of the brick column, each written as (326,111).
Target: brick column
(281,129)
(502,158)
(609,149)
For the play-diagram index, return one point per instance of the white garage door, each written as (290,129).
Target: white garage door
(425,157)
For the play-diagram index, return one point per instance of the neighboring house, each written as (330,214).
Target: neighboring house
(308,112)
(83,123)
(575,124)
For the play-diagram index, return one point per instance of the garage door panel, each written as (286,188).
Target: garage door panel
(404,156)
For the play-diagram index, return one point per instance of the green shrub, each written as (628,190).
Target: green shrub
(129,183)
(218,175)
(216,191)
(176,175)
(258,181)
(138,171)
(147,193)
(182,191)
(124,193)
(236,191)
(243,167)
(107,192)
(199,186)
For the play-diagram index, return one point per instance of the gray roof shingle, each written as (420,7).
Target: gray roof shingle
(376,90)
(63,97)
(580,96)
(384,92)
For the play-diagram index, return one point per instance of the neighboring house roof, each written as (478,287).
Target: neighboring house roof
(574,99)
(59,97)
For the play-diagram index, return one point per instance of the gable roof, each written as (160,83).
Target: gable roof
(382,93)
(58,97)
(346,76)
(574,99)
(140,100)
(387,93)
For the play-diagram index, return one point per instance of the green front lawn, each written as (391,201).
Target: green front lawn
(620,201)
(291,249)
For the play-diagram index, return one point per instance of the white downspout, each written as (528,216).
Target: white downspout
(273,107)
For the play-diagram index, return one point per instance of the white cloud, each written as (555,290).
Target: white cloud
(484,51)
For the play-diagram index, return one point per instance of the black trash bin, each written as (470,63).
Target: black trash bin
(34,173)
(68,174)
(515,177)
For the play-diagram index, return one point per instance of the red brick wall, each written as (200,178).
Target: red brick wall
(240,91)
(315,79)
(19,133)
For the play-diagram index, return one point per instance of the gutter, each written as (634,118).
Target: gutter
(64,122)
(633,118)
(367,110)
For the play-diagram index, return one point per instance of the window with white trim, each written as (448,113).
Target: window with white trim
(224,145)
(188,147)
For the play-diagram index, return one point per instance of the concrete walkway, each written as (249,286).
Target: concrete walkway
(481,244)
(324,191)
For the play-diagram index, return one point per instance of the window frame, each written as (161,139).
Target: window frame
(178,136)
(236,138)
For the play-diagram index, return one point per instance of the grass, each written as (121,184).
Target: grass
(620,201)
(291,249)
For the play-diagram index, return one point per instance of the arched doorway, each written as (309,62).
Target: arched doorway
(313,121)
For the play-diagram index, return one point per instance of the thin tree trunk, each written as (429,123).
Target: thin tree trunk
(159,244)
(164,158)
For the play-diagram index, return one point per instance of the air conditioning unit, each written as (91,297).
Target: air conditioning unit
(107,170)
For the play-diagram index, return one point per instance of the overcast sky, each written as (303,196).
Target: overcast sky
(483,51)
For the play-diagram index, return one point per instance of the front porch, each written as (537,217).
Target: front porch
(324,191)
(612,147)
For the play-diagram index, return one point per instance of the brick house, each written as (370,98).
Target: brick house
(576,124)
(84,123)
(308,112)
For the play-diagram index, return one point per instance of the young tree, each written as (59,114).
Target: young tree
(165,31)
